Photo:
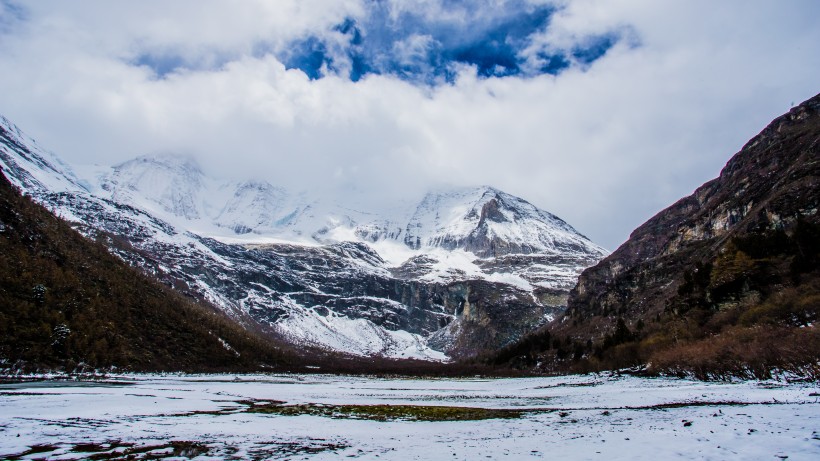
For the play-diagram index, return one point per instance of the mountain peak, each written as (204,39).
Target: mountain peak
(489,222)
(169,161)
(172,182)
(30,167)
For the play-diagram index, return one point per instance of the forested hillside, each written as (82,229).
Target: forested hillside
(66,303)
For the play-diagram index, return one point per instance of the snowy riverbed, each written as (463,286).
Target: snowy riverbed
(575,417)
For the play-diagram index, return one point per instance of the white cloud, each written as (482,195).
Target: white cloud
(604,148)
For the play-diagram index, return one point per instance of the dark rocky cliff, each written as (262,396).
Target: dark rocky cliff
(729,273)
(770,185)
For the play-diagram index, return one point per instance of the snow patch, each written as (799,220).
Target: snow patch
(357,336)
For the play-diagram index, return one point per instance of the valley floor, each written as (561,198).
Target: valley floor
(330,417)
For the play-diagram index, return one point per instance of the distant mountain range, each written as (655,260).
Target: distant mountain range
(460,272)
(482,220)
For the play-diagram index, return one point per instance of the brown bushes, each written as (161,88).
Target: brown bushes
(746,352)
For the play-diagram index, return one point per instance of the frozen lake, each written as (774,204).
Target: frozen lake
(330,417)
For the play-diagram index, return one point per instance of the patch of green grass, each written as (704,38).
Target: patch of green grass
(388,412)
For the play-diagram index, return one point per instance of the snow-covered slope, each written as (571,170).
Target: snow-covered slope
(175,189)
(167,183)
(255,205)
(468,269)
(489,222)
(32,168)
(452,234)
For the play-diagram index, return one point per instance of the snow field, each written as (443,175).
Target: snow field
(577,417)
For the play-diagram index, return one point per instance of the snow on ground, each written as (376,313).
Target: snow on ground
(578,417)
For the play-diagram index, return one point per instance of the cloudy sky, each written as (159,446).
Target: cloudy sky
(600,111)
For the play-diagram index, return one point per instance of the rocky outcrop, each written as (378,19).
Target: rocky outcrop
(487,316)
(771,184)
(723,283)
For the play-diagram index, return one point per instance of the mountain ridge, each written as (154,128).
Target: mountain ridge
(455,219)
(476,219)
(722,283)
(318,283)
(67,304)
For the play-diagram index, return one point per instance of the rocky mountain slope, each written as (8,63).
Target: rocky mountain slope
(318,273)
(489,222)
(65,302)
(726,280)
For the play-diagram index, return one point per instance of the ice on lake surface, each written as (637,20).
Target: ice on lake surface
(331,417)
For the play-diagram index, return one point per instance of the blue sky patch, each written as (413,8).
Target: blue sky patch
(429,48)
(161,65)
(425,46)
(594,48)
(11,14)
(310,56)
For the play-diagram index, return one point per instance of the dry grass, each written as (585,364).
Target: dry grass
(746,352)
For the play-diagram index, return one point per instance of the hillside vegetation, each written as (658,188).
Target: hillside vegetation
(725,282)
(66,303)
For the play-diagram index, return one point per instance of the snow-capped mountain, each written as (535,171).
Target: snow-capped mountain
(255,205)
(461,271)
(452,234)
(168,183)
(482,220)
(491,223)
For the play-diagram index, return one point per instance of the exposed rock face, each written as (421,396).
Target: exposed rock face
(770,185)
(724,283)
(489,314)
(337,294)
